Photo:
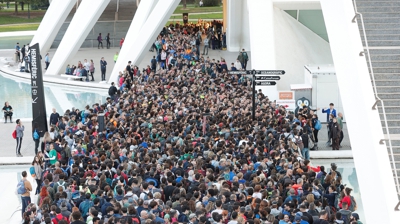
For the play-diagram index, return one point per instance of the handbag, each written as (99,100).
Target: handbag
(310,142)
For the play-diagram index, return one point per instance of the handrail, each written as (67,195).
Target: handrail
(376,95)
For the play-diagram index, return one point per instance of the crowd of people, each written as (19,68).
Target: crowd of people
(176,143)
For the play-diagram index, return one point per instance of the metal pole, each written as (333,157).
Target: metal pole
(254,94)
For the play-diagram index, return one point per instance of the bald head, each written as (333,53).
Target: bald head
(143,214)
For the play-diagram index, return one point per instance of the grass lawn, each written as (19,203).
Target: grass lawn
(12,8)
(191,9)
(19,27)
(201,16)
(10,18)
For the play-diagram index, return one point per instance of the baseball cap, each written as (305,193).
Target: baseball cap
(191,216)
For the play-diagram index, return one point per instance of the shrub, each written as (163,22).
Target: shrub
(211,2)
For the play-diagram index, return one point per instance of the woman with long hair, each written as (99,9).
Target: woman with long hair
(38,166)
(42,195)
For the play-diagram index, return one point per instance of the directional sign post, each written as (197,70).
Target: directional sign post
(265,83)
(268,80)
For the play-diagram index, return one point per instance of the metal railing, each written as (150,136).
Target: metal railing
(378,100)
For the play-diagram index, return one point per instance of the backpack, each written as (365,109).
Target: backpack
(353,205)
(84,207)
(62,185)
(346,218)
(135,220)
(14,134)
(310,142)
(21,187)
(65,171)
(59,156)
(36,135)
(146,196)
(32,171)
(318,125)
(58,220)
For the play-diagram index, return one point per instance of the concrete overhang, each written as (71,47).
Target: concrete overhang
(297,4)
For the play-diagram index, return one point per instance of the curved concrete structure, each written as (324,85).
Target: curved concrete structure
(51,24)
(86,16)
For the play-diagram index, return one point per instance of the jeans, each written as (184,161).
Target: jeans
(305,152)
(39,184)
(316,135)
(204,50)
(103,75)
(36,145)
(341,137)
(18,148)
(26,200)
(100,43)
(47,64)
(91,74)
(108,44)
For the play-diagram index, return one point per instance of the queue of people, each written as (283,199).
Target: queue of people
(176,143)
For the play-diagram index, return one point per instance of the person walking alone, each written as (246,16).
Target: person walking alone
(47,60)
(26,195)
(38,166)
(100,40)
(20,133)
(91,69)
(103,67)
(108,41)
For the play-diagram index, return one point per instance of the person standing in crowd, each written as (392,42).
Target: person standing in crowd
(20,134)
(17,53)
(335,134)
(121,42)
(340,122)
(112,91)
(108,40)
(86,66)
(206,40)
(315,129)
(26,196)
(129,69)
(47,60)
(153,63)
(100,41)
(243,58)
(103,67)
(8,112)
(36,136)
(91,69)
(37,164)
(328,112)
(54,118)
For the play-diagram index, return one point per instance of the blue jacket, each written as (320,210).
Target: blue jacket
(328,112)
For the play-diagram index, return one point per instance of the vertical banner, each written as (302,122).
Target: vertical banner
(39,121)
(185,17)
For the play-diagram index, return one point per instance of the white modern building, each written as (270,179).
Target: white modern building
(272,32)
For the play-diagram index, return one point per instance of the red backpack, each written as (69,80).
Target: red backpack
(59,156)
(14,134)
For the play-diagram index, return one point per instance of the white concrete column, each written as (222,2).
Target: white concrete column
(149,31)
(125,55)
(51,24)
(84,19)
(234,25)
(371,159)
(262,41)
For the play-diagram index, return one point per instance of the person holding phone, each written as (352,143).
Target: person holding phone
(20,133)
